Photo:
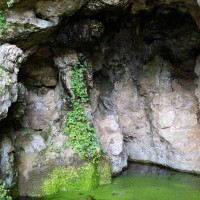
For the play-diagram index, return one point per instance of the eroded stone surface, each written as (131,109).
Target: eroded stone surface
(21,23)
(153,103)
(8,172)
(10,59)
(52,9)
(173,116)
(41,109)
(112,141)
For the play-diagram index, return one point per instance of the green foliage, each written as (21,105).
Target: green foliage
(4,192)
(10,3)
(3,23)
(79,127)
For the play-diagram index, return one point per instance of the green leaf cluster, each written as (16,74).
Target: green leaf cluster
(10,3)
(3,23)
(79,127)
(4,192)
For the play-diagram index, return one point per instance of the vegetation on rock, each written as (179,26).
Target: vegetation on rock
(4,192)
(3,23)
(86,177)
(79,127)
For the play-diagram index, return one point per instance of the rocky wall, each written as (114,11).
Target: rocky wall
(143,84)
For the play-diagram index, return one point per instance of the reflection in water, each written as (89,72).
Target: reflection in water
(163,172)
(142,182)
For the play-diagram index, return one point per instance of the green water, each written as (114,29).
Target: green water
(142,182)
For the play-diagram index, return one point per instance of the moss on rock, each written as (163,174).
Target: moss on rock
(77,178)
(104,171)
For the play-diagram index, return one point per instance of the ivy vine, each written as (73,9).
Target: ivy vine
(4,192)
(82,138)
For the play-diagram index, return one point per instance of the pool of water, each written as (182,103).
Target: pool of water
(142,182)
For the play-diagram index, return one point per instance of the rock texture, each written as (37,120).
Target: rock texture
(144,83)
(10,59)
(82,34)
(149,99)
(173,113)
(8,171)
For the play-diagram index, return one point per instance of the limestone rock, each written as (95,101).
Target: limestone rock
(64,62)
(42,110)
(21,23)
(112,141)
(10,58)
(7,168)
(51,9)
(173,117)
(21,20)
(17,110)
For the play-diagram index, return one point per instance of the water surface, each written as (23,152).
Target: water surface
(142,182)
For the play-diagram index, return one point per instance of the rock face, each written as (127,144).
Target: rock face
(143,80)
(83,34)
(146,109)
(8,171)
(174,121)
(10,58)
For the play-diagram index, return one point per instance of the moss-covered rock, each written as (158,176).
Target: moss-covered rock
(77,178)
(71,178)
(104,171)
